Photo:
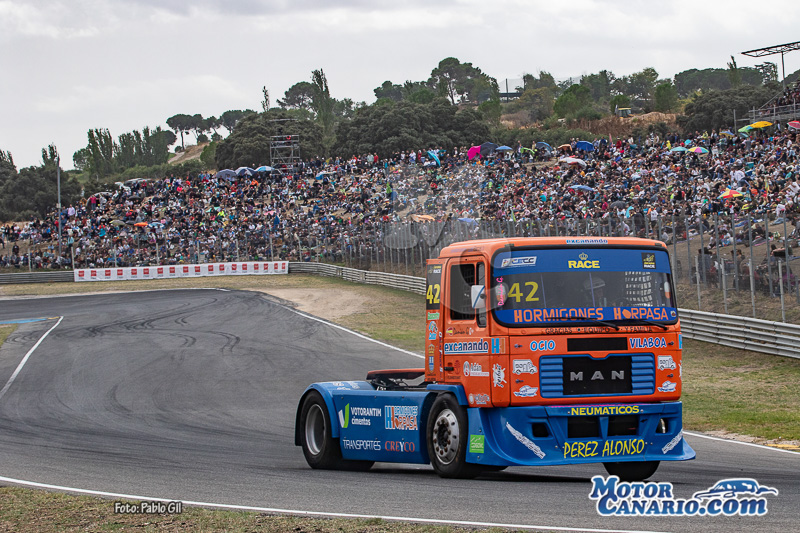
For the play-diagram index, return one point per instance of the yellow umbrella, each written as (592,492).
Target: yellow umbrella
(760,124)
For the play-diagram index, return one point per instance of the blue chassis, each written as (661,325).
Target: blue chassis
(497,436)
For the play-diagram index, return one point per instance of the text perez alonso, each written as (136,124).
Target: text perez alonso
(616,498)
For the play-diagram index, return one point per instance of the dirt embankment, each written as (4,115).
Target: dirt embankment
(191,152)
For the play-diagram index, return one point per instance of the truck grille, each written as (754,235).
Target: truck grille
(582,375)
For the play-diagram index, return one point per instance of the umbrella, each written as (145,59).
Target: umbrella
(760,124)
(619,204)
(565,147)
(582,188)
(687,142)
(730,193)
(744,129)
(227,173)
(584,145)
(542,144)
(794,124)
(244,171)
(434,157)
(140,224)
(573,161)
(526,150)
(473,152)
(504,148)
(468,220)
(727,133)
(118,222)
(698,150)
(429,163)
(678,149)
(264,168)
(488,148)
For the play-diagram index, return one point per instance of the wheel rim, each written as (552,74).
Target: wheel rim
(315,429)
(446,436)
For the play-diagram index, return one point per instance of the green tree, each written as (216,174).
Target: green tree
(181,123)
(80,159)
(389,90)
(101,153)
(209,154)
(572,100)
(714,109)
(734,76)
(666,97)
(621,101)
(323,105)
(769,71)
(599,84)
(229,119)
(298,96)
(458,81)
(641,86)
(491,110)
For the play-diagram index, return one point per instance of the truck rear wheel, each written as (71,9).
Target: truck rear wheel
(320,448)
(633,471)
(447,437)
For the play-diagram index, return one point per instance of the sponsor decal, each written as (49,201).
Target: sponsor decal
(668,386)
(558,331)
(525,441)
(608,448)
(665,362)
(680,369)
(476,443)
(518,261)
(474,370)
(498,375)
(430,362)
(587,241)
(648,260)
(481,399)
(499,345)
(402,417)
(522,316)
(500,291)
(358,416)
(361,444)
(523,366)
(642,313)
(584,262)
(647,342)
(543,346)
(466,347)
(399,446)
(680,341)
(433,316)
(431,349)
(604,410)
(526,391)
(728,497)
(674,442)
(344,417)
(433,329)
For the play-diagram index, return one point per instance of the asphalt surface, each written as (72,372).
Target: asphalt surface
(191,395)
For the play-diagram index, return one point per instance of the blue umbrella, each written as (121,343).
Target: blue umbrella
(542,144)
(487,148)
(678,149)
(264,168)
(586,146)
(468,220)
(226,174)
(244,171)
(504,148)
(434,157)
(582,188)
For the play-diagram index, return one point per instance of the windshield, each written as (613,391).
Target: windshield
(622,285)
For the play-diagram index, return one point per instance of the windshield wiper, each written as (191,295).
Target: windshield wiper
(584,319)
(648,322)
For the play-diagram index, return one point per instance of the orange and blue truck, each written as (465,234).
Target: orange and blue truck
(538,351)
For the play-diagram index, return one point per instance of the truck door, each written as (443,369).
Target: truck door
(467,345)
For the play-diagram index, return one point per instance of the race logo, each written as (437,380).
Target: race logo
(474,370)
(401,417)
(583,262)
(476,443)
(668,386)
(498,375)
(526,391)
(518,261)
(523,366)
(665,362)
(648,260)
(728,497)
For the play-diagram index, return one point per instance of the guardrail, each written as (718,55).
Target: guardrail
(775,338)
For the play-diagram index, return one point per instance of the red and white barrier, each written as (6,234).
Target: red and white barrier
(238,268)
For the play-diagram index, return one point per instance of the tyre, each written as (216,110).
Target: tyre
(447,434)
(319,447)
(633,471)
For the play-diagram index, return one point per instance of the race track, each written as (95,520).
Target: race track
(191,395)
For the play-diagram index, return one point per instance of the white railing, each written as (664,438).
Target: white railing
(775,338)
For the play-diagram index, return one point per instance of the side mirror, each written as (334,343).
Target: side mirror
(478,296)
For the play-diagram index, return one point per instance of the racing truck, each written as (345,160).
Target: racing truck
(538,351)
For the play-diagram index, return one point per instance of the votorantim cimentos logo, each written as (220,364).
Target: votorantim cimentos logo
(729,497)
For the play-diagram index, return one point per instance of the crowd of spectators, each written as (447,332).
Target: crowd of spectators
(324,208)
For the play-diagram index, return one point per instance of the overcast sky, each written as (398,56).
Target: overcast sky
(70,65)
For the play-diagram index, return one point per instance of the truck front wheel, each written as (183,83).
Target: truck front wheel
(447,436)
(633,471)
